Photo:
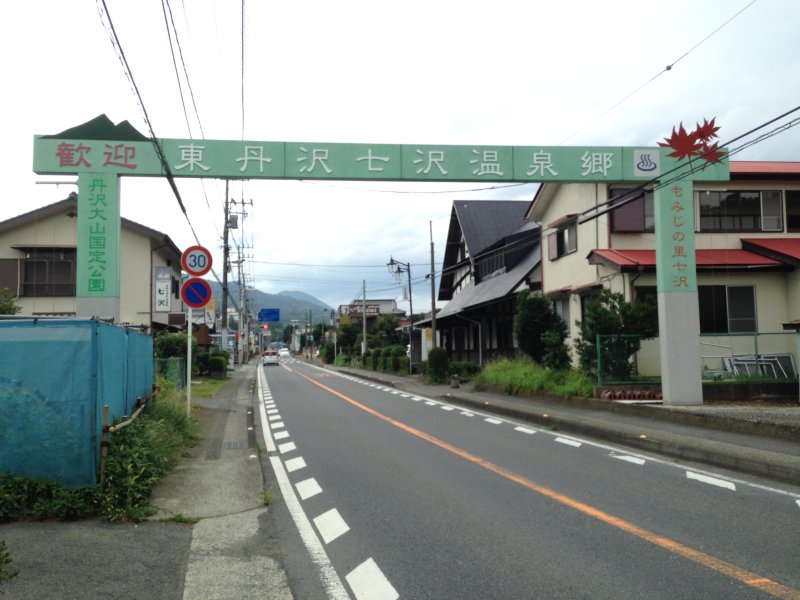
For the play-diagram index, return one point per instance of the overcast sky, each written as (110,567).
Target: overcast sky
(414,72)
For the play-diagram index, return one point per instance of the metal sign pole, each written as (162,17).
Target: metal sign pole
(189,365)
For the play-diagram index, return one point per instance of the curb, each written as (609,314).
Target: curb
(762,463)
(752,461)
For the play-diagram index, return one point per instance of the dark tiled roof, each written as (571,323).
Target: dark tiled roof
(485,222)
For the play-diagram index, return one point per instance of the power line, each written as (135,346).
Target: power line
(679,172)
(657,75)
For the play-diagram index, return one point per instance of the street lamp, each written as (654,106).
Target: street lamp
(396,268)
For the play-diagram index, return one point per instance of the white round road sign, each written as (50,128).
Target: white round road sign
(196,260)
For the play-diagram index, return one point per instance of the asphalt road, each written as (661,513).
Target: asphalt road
(393,495)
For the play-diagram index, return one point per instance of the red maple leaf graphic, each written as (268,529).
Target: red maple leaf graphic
(683,144)
(711,154)
(707,131)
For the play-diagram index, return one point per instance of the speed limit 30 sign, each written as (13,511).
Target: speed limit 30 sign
(196,260)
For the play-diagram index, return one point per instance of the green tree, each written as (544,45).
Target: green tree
(437,365)
(8,303)
(347,336)
(386,330)
(610,315)
(534,318)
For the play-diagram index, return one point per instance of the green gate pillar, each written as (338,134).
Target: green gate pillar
(98,240)
(678,309)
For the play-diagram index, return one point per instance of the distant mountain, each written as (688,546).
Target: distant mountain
(292,305)
(302,296)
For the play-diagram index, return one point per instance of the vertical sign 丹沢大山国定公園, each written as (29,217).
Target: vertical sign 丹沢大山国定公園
(98,241)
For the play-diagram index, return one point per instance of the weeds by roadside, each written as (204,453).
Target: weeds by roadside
(523,375)
(6,572)
(139,456)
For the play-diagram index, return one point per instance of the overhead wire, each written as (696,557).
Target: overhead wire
(105,15)
(657,75)
(680,172)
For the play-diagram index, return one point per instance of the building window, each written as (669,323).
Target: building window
(793,211)
(637,215)
(561,307)
(49,272)
(727,309)
(563,241)
(491,264)
(740,211)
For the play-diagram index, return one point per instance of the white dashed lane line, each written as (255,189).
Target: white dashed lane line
(295,464)
(524,430)
(493,421)
(711,480)
(631,459)
(331,525)
(369,583)
(276,425)
(569,442)
(308,488)
(281,435)
(288,447)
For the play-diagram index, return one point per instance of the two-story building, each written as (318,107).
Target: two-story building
(38,266)
(491,254)
(747,252)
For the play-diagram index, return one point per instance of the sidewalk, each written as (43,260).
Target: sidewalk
(753,439)
(227,554)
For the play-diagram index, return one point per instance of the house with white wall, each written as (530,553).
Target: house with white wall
(38,266)
(747,251)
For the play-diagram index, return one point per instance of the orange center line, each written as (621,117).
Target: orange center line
(747,577)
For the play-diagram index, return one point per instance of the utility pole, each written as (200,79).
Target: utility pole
(242,310)
(364,318)
(225,266)
(433,289)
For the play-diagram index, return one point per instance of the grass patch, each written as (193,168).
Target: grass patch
(266,496)
(139,456)
(206,387)
(522,376)
(179,518)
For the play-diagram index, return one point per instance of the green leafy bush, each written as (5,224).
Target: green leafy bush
(437,365)
(217,364)
(343,360)
(465,369)
(375,361)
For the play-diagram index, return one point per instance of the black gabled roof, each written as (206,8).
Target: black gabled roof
(483,224)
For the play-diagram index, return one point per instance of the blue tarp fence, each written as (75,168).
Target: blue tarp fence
(55,377)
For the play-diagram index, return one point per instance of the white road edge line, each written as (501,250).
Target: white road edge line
(649,458)
(711,480)
(369,583)
(330,580)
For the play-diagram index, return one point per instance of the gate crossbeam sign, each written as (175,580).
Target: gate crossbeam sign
(100,152)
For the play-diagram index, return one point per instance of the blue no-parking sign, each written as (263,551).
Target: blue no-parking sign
(196,292)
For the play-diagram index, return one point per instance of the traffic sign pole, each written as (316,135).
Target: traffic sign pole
(189,366)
